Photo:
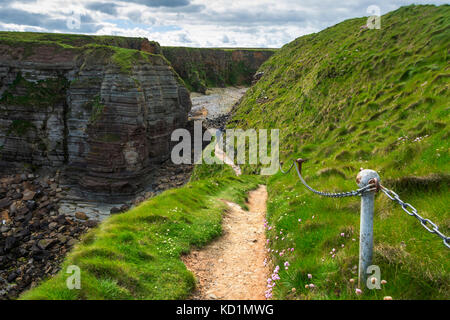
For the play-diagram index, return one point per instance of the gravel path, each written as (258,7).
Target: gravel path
(232,267)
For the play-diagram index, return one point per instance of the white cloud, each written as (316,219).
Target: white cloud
(201,23)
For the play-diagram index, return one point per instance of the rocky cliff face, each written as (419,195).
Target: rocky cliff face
(105,112)
(202,68)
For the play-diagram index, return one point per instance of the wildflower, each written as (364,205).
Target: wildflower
(309,276)
(286,264)
(373,280)
(311,286)
(292,249)
(282,239)
(306,286)
(299,220)
(383,281)
(387,298)
(342,245)
(313,217)
(352,280)
(342,234)
(293,290)
(358,291)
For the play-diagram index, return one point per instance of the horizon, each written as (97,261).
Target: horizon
(190,23)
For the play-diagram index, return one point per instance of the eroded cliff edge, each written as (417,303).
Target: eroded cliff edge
(201,68)
(102,111)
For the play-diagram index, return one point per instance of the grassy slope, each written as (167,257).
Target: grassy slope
(343,98)
(136,255)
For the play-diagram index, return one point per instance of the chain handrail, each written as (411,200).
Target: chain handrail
(405,206)
(372,186)
(353,193)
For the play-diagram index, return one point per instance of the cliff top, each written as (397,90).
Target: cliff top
(68,48)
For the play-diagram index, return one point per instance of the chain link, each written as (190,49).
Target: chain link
(410,210)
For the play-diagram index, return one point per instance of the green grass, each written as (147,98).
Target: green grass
(136,255)
(347,98)
(72,40)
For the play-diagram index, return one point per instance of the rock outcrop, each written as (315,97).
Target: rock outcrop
(104,112)
(201,67)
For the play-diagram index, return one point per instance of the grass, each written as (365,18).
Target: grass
(73,40)
(347,98)
(136,255)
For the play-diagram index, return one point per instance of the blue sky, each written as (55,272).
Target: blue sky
(196,23)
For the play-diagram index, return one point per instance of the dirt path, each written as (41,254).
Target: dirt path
(219,153)
(232,267)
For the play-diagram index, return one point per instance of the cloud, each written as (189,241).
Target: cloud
(199,23)
(184,38)
(162,3)
(105,7)
(11,15)
(46,22)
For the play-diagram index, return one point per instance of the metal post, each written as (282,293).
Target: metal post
(366,225)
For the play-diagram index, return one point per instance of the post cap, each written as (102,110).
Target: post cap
(364,176)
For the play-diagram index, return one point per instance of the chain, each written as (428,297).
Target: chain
(287,171)
(358,192)
(429,225)
(410,210)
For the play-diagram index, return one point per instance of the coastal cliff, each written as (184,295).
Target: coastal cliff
(201,68)
(103,110)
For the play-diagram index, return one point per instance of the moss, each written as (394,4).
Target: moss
(39,94)
(20,127)
(96,109)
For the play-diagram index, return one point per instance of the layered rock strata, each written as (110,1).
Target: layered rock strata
(105,113)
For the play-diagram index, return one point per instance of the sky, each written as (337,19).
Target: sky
(192,23)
